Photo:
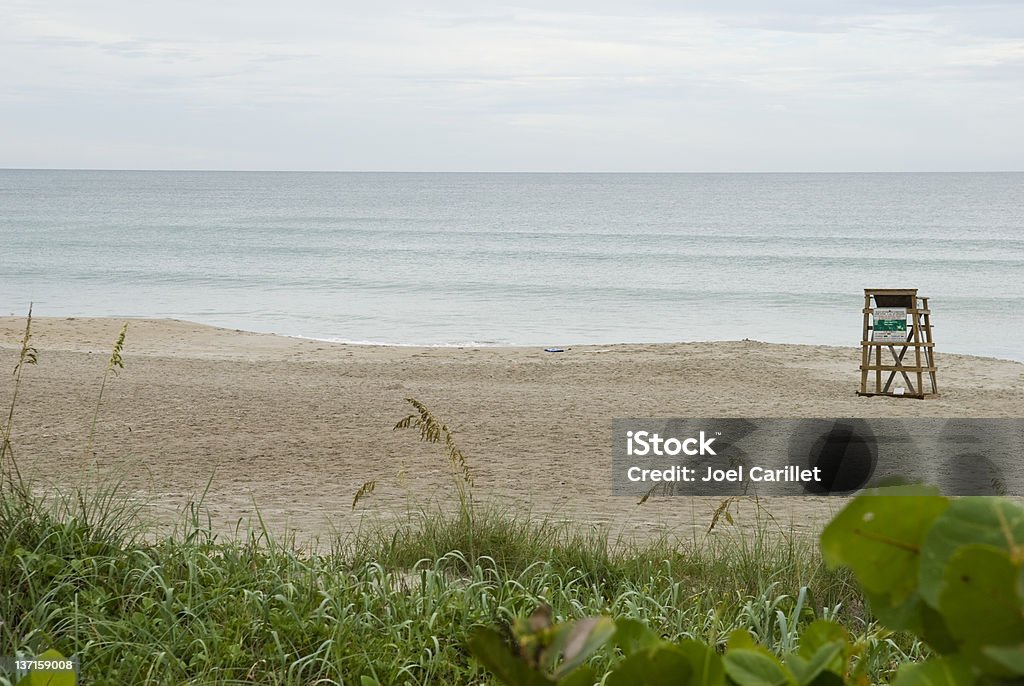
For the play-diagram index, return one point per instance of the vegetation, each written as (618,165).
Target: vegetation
(387,607)
(948,571)
(485,595)
(9,474)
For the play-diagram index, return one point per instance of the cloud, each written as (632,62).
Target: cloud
(331,85)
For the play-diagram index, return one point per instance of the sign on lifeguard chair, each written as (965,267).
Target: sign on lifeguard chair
(895,318)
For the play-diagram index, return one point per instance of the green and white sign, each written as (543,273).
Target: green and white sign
(890,324)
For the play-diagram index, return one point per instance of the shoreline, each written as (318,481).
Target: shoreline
(297,425)
(7,320)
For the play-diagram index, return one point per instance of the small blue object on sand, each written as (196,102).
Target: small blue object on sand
(554,350)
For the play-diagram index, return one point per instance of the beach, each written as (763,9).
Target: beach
(292,427)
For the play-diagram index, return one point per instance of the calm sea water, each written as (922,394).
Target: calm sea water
(523,259)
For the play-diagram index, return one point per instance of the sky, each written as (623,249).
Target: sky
(454,85)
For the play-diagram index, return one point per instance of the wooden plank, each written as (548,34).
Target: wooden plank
(900,367)
(865,356)
(878,369)
(916,319)
(929,353)
(895,368)
(910,310)
(906,344)
(899,361)
(890,291)
(878,351)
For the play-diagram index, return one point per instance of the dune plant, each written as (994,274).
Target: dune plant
(393,607)
(433,430)
(10,475)
(947,571)
(114,362)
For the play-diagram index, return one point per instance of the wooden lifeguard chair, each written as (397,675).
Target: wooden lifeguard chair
(897,318)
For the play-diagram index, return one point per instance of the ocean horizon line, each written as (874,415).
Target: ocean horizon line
(148,170)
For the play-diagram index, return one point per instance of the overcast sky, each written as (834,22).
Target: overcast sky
(588,85)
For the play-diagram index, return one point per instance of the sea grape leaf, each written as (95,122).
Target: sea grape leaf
(488,647)
(830,679)
(583,640)
(987,520)
(806,670)
(916,616)
(704,661)
(946,671)
(934,629)
(820,633)
(632,635)
(582,676)
(879,537)
(665,665)
(740,639)
(756,668)
(1020,584)
(1010,658)
(905,616)
(979,597)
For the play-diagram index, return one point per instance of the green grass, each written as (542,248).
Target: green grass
(392,605)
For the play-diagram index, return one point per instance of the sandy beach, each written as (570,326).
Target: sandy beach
(294,426)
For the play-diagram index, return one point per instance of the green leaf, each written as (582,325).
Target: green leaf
(934,629)
(879,536)
(632,635)
(819,633)
(916,616)
(979,597)
(488,647)
(583,640)
(665,665)
(1009,658)
(751,654)
(945,671)
(740,639)
(755,668)
(827,658)
(583,676)
(980,520)
(704,661)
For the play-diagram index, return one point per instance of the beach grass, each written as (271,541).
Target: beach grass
(391,605)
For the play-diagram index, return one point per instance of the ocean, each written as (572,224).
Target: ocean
(472,259)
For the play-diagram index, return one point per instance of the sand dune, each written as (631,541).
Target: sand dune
(295,426)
